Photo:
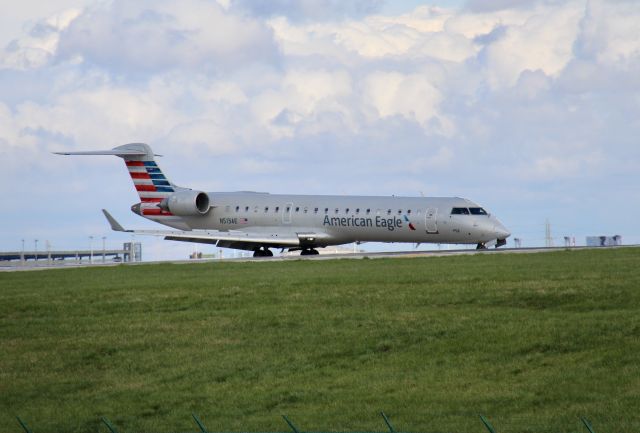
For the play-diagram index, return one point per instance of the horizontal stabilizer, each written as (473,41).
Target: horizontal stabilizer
(114,152)
(131,150)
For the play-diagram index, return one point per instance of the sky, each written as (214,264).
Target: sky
(530,108)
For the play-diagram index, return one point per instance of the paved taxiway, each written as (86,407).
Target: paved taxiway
(371,255)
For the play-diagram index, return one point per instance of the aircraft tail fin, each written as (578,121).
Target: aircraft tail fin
(150,182)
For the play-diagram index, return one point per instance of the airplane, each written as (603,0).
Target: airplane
(259,221)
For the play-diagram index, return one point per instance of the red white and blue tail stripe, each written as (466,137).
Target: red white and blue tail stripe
(151,184)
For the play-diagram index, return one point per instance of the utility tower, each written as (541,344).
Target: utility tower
(548,240)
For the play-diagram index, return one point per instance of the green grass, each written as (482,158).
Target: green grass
(532,341)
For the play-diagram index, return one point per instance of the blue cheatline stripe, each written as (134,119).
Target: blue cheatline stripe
(153,170)
(149,163)
(164,189)
(157,176)
(161,183)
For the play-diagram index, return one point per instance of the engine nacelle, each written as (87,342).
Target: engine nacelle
(186,203)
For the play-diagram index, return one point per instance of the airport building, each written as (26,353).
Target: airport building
(604,241)
(130,252)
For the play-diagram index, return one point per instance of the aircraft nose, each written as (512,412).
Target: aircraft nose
(501,231)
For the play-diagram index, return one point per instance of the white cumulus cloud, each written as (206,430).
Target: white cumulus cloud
(508,102)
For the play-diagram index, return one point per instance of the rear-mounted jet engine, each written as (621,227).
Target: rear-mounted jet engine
(186,203)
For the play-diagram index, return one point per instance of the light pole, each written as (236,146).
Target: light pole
(90,249)
(36,252)
(22,255)
(103,249)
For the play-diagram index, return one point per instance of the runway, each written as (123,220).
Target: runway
(31,266)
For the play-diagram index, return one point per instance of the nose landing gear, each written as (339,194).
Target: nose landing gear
(498,243)
(309,252)
(263,252)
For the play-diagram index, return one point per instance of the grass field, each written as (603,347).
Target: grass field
(532,341)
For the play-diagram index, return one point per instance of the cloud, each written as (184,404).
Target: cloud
(513,106)
(497,5)
(41,43)
(148,36)
(411,96)
(607,34)
(309,10)
(551,167)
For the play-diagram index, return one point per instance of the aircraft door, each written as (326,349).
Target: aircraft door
(431,221)
(286,213)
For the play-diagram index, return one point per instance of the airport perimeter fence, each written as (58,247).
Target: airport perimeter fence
(294,429)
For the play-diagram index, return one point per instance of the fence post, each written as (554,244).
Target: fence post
(587,424)
(386,420)
(293,427)
(487,424)
(202,427)
(23,425)
(110,426)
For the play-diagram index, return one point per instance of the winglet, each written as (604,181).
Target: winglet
(115,225)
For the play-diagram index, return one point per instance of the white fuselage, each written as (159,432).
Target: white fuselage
(334,220)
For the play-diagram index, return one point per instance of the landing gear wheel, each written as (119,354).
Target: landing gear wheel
(481,246)
(263,252)
(309,252)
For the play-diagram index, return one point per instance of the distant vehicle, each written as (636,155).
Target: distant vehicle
(258,221)
(117,259)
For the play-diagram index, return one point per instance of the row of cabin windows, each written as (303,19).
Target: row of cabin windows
(316,210)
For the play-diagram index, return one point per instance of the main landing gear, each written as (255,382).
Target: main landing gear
(481,246)
(263,252)
(309,252)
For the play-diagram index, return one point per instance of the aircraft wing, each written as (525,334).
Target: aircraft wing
(238,239)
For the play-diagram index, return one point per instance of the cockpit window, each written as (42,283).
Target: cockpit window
(459,211)
(477,211)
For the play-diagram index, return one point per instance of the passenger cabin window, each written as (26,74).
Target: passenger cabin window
(326,210)
(266,209)
(277,209)
(306,209)
(297,208)
(346,210)
(368,211)
(357,211)
(315,210)
(477,211)
(288,208)
(237,208)
(246,208)
(399,211)
(459,211)
(337,210)
(409,211)
(388,211)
